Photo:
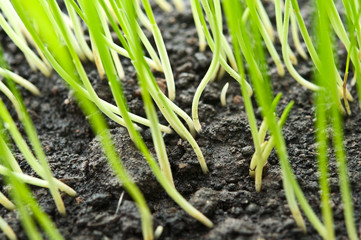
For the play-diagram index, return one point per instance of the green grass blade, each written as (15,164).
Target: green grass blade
(327,59)
(133,133)
(263,95)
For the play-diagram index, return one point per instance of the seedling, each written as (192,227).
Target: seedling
(285,52)
(223,94)
(337,136)
(41,168)
(215,19)
(4,226)
(310,47)
(161,49)
(256,165)
(59,42)
(13,174)
(62,60)
(344,92)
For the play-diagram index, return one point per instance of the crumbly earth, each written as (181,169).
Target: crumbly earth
(226,195)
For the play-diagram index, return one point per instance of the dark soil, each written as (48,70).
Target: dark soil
(226,195)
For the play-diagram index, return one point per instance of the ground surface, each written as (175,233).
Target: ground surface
(226,195)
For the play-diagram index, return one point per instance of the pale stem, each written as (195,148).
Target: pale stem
(289,66)
(124,53)
(24,47)
(164,5)
(179,4)
(223,94)
(199,28)
(79,32)
(7,229)
(114,54)
(6,202)
(19,80)
(15,22)
(296,38)
(265,20)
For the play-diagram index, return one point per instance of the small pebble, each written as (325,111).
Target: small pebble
(252,208)
(247,151)
(231,187)
(202,60)
(237,99)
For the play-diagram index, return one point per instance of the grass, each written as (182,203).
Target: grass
(13,175)
(50,40)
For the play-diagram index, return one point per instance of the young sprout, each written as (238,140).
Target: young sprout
(30,212)
(77,41)
(16,24)
(347,106)
(6,91)
(285,52)
(166,106)
(20,42)
(223,61)
(267,149)
(115,57)
(158,232)
(71,66)
(67,71)
(73,39)
(265,20)
(42,169)
(16,172)
(109,109)
(148,85)
(142,18)
(97,60)
(29,129)
(223,94)
(120,201)
(124,53)
(216,28)
(153,62)
(215,18)
(267,40)
(25,204)
(25,178)
(260,135)
(62,51)
(6,202)
(201,38)
(161,49)
(19,80)
(279,25)
(4,226)
(332,117)
(263,95)
(179,4)
(76,24)
(237,41)
(171,191)
(221,73)
(311,49)
(164,5)
(295,37)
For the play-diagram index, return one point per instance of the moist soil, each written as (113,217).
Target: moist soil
(226,195)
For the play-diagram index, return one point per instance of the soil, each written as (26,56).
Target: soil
(226,195)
